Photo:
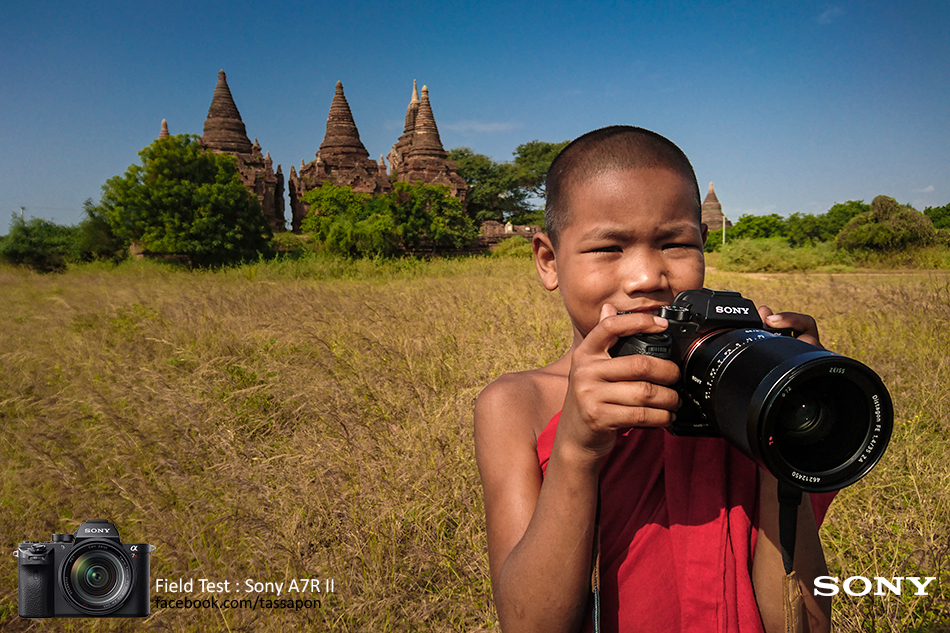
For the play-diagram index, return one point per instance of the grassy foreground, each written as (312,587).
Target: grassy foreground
(313,420)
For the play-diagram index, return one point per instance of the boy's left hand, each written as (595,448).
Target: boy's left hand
(802,325)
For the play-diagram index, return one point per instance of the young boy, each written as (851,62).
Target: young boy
(686,528)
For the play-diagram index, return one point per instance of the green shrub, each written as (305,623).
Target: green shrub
(887,226)
(516,246)
(40,244)
(95,239)
(412,217)
(774,255)
(714,241)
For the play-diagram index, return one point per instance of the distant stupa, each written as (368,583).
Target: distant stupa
(712,211)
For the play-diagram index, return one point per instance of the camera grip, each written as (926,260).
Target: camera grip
(659,345)
(34,591)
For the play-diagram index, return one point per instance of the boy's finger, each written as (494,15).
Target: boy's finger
(639,367)
(611,328)
(804,326)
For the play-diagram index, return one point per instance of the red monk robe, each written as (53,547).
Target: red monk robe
(677,533)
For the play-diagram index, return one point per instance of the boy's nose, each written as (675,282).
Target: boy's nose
(644,272)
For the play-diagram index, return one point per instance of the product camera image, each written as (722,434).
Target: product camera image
(87,574)
(816,420)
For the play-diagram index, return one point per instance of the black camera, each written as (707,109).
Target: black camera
(87,574)
(815,419)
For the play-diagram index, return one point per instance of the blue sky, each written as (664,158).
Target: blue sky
(786,106)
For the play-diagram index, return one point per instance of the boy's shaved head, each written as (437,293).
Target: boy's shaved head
(619,147)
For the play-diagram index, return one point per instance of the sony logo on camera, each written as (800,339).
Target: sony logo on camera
(731,310)
(91,573)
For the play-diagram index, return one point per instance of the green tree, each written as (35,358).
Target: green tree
(804,228)
(493,193)
(840,214)
(347,224)
(757,226)
(940,216)
(428,217)
(887,226)
(95,238)
(532,162)
(39,244)
(186,200)
(412,217)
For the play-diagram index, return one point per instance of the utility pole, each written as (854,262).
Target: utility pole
(723,228)
(22,209)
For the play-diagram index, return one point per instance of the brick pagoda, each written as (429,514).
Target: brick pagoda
(342,159)
(224,132)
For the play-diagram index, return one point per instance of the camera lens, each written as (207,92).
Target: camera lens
(97,578)
(814,419)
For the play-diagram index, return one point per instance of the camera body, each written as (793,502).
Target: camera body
(87,574)
(815,419)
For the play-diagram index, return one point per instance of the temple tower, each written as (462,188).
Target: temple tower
(224,129)
(712,214)
(342,159)
(397,156)
(426,160)
(164,131)
(224,133)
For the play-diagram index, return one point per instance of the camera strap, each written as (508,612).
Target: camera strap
(789,498)
(595,568)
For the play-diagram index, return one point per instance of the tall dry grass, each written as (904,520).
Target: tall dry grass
(312,418)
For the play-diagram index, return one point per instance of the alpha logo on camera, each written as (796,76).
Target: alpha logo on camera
(861,585)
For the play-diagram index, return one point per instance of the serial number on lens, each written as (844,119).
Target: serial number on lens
(809,478)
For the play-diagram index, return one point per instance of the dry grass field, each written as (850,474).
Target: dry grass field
(313,420)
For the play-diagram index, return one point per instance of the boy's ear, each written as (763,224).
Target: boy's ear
(704,230)
(544,260)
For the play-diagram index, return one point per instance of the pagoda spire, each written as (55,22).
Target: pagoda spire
(342,137)
(412,110)
(711,196)
(224,129)
(425,137)
(164,131)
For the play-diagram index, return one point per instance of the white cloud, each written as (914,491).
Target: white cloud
(927,189)
(831,14)
(479,127)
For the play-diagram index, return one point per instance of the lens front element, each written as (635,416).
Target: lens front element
(96,577)
(816,420)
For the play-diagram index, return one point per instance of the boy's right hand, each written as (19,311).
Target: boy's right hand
(606,395)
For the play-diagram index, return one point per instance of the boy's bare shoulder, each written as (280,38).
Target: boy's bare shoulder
(524,399)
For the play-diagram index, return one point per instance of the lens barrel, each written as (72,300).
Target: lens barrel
(817,420)
(96,577)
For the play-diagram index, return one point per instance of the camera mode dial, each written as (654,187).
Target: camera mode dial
(674,313)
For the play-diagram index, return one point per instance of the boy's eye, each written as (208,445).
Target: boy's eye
(607,249)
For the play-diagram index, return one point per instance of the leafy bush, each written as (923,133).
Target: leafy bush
(887,226)
(40,244)
(516,246)
(412,217)
(714,241)
(95,239)
(774,255)
(940,216)
(758,226)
